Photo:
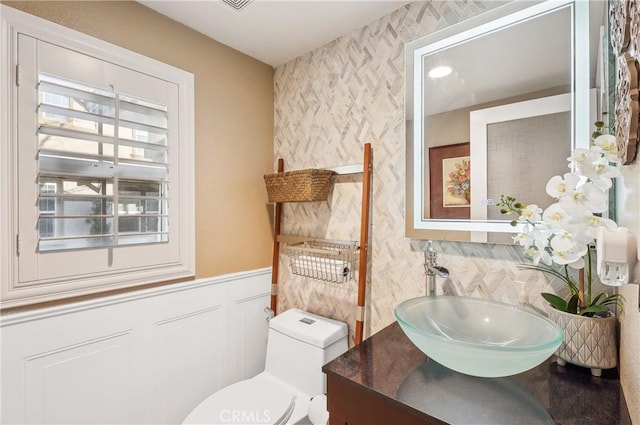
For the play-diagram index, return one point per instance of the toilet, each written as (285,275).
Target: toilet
(299,344)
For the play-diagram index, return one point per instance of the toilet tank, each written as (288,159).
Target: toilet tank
(300,343)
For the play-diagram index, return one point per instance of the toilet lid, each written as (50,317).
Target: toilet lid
(245,402)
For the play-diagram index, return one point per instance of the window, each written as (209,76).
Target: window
(47,205)
(88,140)
(101,159)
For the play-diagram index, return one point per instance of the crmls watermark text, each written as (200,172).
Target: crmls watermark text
(237,416)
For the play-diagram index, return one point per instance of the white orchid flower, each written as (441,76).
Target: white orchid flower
(601,182)
(539,237)
(520,239)
(606,170)
(525,239)
(606,144)
(545,257)
(537,255)
(582,156)
(582,233)
(558,187)
(587,224)
(563,232)
(600,172)
(572,257)
(585,196)
(531,213)
(535,240)
(536,237)
(595,199)
(563,241)
(555,216)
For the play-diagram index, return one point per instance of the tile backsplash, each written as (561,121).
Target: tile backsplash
(328,103)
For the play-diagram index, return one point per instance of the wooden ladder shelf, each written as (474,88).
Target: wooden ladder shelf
(366,170)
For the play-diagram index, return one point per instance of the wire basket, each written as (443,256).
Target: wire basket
(321,259)
(299,186)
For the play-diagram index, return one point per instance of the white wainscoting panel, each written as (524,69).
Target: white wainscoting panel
(60,381)
(147,356)
(251,320)
(185,344)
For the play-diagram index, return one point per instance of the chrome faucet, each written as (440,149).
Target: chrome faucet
(432,269)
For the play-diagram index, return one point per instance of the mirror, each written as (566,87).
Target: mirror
(520,85)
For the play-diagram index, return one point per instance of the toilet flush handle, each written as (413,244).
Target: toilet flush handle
(269,313)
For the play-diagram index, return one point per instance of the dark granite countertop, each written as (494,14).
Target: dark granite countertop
(388,364)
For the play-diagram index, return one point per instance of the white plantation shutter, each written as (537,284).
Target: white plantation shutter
(107,156)
(99,176)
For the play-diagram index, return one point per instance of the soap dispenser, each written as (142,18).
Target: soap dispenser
(617,256)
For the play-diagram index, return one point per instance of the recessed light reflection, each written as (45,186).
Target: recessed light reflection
(440,71)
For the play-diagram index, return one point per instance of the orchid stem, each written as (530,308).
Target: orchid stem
(589,276)
(581,288)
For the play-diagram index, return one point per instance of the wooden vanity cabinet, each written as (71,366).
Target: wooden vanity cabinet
(353,404)
(386,380)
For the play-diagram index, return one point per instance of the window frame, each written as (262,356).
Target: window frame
(13,291)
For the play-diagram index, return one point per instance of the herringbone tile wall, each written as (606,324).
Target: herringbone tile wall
(328,103)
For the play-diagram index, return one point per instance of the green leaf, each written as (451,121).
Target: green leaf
(593,309)
(596,300)
(572,305)
(614,299)
(555,301)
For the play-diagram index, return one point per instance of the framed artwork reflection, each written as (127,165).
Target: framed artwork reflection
(450,181)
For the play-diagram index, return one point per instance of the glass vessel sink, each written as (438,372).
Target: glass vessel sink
(478,337)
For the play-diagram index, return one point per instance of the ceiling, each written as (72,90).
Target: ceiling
(275,31)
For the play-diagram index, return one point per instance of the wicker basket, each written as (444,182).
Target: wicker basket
(299,186)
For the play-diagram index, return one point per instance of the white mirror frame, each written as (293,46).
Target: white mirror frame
(492,21)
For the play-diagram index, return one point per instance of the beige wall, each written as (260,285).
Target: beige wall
(234,123)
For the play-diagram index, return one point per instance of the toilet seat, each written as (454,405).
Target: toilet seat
(260,400)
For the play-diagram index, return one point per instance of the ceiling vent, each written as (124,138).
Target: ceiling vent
(237,5)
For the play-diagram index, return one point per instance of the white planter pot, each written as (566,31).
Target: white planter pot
(588,341)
